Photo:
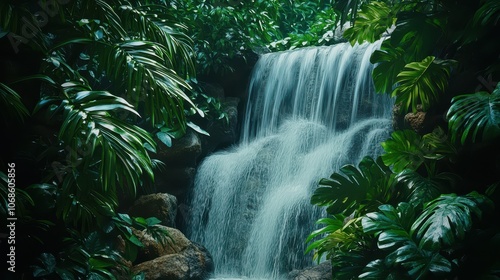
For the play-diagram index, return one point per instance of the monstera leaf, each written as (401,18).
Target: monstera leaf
(392,227)
(404,150)
(361,189)
(424,189)
(475,117)
(373,20)
(422,82)
(446,219)
(417,33)
(389,61)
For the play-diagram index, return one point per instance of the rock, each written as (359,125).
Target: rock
(193,263)
(222,134)
(160,205)
(176,181)
(184,151)
(175,242)
(323,271)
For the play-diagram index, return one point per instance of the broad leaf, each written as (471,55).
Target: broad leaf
(390,225)
(389,61)
(362,188)
(404,150)
(373,20)
(422,83)
(447,219)
(416,33)
(475,117)
(424,189)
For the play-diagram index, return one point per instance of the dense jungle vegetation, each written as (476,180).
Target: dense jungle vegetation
(105,82)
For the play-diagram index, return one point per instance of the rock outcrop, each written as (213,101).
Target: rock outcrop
(160,205)
(176,258)
(323,271)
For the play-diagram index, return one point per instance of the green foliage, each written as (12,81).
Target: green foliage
(447,219)
(417,33)
(408,150)
(435,222)
(421,83)
(371,22)
(359,189)
(415,242)
(11,104)
(475,117)
(111,73)
(389,62)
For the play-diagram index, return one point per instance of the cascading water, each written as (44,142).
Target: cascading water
(309,112)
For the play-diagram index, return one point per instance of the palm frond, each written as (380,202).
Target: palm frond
(153,22)
(143,68)
(12,107)
(488,12)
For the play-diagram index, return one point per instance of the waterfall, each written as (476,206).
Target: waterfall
(309,112)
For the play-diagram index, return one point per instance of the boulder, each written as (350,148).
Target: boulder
(222,134)
(323,271)
(160,205)
(176,181)
(175,242)
(184,151)
(192,263)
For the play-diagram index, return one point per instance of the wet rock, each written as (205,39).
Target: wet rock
(176,181)
(192,263)
(184,151)
(323,271)
(160,205)
(174,242)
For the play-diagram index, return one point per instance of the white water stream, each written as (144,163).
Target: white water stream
(309,112)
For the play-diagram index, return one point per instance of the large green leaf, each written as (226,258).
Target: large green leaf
(390,225)
(419,263)
(389,61)
(475,117)
(361,189)
(422,83)
(417,33)
(424,189)
(447,219)
(404,150)
(408,150)
(373,20)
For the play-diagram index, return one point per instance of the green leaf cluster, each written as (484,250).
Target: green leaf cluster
(431,213)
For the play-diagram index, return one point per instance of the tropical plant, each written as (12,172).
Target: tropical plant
(436,216)
(475,117)
(111,74)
